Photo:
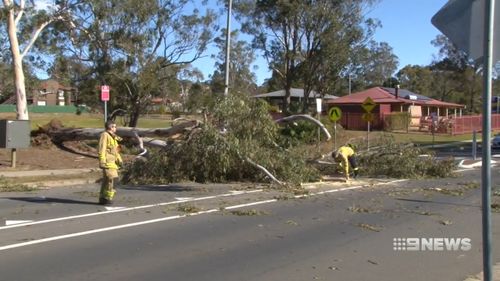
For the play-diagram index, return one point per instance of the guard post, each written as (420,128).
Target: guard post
(14,134)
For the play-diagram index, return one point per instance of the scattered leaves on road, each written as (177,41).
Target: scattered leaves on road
(445,222)
(356,209)
(251,212)
(188,209)
(370,227)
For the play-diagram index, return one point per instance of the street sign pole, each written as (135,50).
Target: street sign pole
(368,105)
(105,111)
(334,113)
(105,98)
(486,148)
(335,135)
(368,137)
(318,111)
(468,24)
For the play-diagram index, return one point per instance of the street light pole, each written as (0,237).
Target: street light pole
(489,12)
(228,47)
(349,82)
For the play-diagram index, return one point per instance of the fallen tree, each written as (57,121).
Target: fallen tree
(59,134)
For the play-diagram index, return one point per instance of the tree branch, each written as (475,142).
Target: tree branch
(34,36)
(22,5)
(308,118)
(264,170)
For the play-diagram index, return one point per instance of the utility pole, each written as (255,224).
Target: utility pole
(228,47)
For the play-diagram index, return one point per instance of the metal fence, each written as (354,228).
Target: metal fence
(471,123)
(446,125)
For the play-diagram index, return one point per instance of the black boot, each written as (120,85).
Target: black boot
(104,201)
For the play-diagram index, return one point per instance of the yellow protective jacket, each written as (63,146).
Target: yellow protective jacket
(109,156)
(342,155)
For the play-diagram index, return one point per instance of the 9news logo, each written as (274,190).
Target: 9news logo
(431,244)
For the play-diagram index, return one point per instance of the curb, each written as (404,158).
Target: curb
(36,173)
(476,164)
(59,183)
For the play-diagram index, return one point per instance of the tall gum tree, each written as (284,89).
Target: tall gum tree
(298,36)
(22,18)
(137,46)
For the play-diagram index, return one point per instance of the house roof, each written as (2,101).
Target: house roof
(383,95)
(295,93)
(53,85)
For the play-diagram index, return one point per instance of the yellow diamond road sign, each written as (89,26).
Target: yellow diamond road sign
(334,113)
(368,117)
(368,105)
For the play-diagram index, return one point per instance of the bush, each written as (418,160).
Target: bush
(299,132)
(397,121)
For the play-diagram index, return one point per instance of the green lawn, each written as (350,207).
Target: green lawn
(85,120)
(415,137)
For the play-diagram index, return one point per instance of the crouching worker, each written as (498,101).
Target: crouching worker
(109,161)
(346,156)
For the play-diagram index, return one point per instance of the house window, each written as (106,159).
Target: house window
(41,103)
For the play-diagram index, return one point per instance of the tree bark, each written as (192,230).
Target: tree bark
(17,62)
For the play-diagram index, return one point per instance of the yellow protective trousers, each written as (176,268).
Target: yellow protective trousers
(107,185)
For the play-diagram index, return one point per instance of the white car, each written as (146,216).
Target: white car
(495,142)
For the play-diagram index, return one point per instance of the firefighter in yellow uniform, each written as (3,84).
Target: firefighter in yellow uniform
(110,161)
(346,156)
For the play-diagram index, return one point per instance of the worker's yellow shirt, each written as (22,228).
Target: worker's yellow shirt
(342,155)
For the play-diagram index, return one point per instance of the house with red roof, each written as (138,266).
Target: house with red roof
(388,101)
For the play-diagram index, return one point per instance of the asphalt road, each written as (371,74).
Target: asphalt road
(238,232)
(461,150)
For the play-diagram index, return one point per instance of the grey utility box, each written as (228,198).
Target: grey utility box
(14,133)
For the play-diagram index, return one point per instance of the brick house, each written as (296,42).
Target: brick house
(51,92)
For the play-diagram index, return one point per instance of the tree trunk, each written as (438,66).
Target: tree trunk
(134,115)
(72,134)
(17,63)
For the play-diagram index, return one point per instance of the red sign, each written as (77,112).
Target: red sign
(105,93)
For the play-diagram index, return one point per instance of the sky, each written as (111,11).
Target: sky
(406,26)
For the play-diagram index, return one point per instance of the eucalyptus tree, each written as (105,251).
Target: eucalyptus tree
(380,64)
(242,55)
(304,41)
(418,79)
(134,46)
(24,21)
(462,75)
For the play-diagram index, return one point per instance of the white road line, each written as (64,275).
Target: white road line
(250,204)
(126,209)
(12,222)
(54,238)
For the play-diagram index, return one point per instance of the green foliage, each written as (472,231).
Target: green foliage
(308,43)
(300,132)
(402,160)
(208,155)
